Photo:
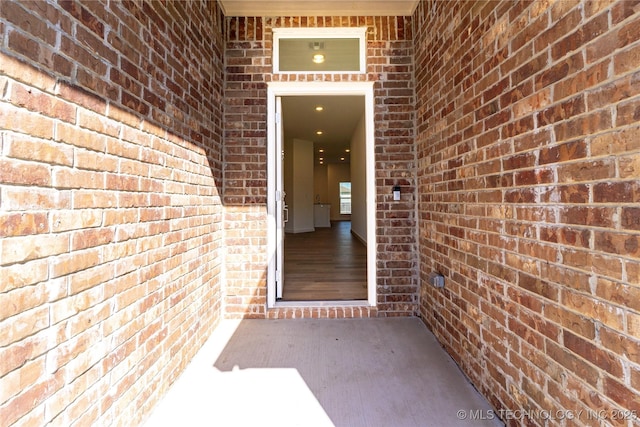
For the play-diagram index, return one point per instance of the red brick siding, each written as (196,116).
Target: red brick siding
(248,69)
(110,214)
(528,141)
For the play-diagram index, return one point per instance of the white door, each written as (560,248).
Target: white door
(281,208)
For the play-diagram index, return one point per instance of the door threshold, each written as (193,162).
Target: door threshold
(324,304)
(322,310)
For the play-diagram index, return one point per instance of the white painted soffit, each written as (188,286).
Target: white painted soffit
(318,8)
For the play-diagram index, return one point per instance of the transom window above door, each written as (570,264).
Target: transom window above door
(319,50)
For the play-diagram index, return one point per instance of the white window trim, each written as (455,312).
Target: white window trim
(359,33)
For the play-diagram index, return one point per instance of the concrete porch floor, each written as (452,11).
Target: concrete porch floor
(322,372)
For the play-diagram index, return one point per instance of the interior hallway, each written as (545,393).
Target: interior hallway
(322,372)
(326,264)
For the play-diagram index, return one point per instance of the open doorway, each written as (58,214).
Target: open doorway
(324,168)
(320,206)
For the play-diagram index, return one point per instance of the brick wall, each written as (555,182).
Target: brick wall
(248,69)
(528,143)
(110,214)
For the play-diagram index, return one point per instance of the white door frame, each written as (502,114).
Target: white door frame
(277,89)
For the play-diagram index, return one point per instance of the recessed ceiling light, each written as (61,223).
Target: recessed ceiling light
(318,58)
(347,151)
(321,162)
(342,158)
(321,151)
(321,158)
(319,108)
(319,132)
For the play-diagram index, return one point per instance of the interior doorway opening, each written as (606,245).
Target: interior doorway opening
(321,194)
(325,239)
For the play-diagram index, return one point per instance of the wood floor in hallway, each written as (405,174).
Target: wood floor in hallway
(328,264)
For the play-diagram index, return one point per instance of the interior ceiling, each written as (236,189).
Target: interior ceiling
(318,8)
(337,121)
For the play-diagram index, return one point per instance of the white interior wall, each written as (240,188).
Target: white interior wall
(358,181)
(302,194)
(320,185)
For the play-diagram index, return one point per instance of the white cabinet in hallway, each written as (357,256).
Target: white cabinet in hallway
(321,215)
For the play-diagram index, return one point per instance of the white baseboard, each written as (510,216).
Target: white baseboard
(359,237)
(300,230)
